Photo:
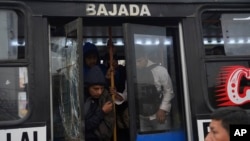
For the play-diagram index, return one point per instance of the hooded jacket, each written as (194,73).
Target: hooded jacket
(98,125)
(88,49)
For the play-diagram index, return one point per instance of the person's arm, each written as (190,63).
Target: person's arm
(163,80)
(168,93)
(166,83)
(119,97)
(96,116)
(105,128)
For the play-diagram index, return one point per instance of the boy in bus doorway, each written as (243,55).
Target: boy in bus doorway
(98,108)
(222,118)
(154,93)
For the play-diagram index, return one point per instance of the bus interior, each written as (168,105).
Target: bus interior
(97,31)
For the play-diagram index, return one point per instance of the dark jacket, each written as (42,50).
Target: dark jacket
(98,125)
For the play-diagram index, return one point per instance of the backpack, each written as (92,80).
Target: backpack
(148,97)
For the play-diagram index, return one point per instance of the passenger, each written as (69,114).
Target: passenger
(119,73)
(98,108)
(119,76)
(91,58)
(122,120)
(155,97)
(222,118)
(154,112)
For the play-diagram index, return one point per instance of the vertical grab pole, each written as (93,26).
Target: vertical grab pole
(110,45)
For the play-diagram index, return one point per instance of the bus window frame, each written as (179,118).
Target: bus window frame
(20,9)
(206,59)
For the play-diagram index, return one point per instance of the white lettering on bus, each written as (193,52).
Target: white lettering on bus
(24,134)
(24,137)
(123,10)
(134,10)
(117,10)
(233,86)
(229,85)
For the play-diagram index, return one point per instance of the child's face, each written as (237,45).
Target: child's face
(96,90)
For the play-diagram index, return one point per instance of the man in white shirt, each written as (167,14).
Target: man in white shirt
(151,118)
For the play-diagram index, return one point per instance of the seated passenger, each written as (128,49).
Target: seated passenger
(98,108)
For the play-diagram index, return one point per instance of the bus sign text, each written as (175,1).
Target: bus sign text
(117,10)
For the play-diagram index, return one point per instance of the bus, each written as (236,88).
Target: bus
(202,43)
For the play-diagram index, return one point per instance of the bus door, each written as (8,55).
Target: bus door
(66,55)
(156,44)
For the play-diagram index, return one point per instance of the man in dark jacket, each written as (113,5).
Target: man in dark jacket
(99,115)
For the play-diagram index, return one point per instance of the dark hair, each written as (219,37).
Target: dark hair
(230,115)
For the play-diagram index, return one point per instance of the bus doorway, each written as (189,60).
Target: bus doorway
(66,82)
(162,47)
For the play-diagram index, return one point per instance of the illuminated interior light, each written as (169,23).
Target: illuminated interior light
(14,43)
(139,42)
(157,42)
(99,43)
(148,42)
(231,41)
(214,41)
(119,43)
(167,42)
(89,40)
(205,41)
(241,41)
(221,41)
(69,43)
(101,61)
(248,41)
(241,19)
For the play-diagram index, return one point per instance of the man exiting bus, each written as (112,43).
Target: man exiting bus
(154,93)
(98,108)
